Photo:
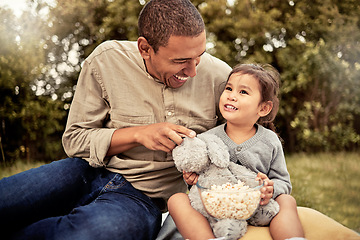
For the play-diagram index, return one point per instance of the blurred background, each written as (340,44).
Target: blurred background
(315,45)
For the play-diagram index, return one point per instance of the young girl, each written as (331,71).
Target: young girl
(249,103)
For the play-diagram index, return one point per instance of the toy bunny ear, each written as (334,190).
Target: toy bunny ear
(217,150)
(191,155)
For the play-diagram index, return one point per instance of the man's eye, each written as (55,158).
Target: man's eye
(180,62)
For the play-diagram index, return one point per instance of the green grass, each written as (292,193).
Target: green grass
(327,182)
(18,166)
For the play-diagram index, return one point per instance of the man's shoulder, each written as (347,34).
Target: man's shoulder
(125,47)
(211,67)
(209,60)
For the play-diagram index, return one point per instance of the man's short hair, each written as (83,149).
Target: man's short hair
(160,19)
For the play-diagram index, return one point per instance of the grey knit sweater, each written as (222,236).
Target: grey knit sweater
(261,153)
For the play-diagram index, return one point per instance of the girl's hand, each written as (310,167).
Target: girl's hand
(268,189)
(190,178)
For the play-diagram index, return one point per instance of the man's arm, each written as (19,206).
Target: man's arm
(159,136)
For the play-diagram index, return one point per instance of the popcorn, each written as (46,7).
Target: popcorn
(230,201)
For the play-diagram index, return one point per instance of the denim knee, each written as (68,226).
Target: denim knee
(118,212)
(112,222)
(49,190)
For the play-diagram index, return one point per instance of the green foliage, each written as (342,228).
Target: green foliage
(314,44)
(76,28)
(28,122)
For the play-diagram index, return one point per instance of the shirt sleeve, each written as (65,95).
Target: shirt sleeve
(85,135)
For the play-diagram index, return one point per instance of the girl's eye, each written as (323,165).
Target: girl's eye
(228,88)
(243,92)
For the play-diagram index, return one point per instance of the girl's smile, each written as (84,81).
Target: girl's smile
(229,107)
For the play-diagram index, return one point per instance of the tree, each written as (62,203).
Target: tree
(28,121)
(51,48)
(76,28)
(312,43)
(315,46)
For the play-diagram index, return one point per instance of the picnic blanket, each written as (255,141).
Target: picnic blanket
(317,226)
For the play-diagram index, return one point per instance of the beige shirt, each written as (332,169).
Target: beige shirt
(115,91)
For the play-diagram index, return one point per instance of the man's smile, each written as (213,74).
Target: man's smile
(180,78)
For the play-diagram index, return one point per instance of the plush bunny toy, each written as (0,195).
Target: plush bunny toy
(208,156)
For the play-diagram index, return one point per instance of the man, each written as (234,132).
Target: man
(134,102)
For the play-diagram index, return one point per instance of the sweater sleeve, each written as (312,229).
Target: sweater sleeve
(278,172)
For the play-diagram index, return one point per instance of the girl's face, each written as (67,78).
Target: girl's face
(240,101)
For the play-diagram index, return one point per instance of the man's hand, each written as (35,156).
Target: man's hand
(158,136)
(162,136)
(190,178)
(268,189)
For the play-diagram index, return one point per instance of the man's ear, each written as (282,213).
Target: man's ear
(265,108)
(144,48)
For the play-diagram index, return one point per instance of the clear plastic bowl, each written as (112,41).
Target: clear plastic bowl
(231,199)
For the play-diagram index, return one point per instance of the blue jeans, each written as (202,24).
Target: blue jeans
(68,199)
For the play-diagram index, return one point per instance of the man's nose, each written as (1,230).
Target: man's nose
(190,69)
